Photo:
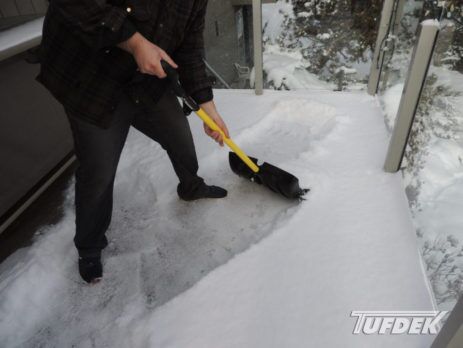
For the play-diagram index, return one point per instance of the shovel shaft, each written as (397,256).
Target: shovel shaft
(235,148)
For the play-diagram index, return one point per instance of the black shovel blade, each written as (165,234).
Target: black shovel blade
(239,167)
(272,177)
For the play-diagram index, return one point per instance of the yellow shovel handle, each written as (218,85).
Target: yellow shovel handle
(212,125)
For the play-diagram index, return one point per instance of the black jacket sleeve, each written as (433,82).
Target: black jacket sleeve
(189,57)
(97,23)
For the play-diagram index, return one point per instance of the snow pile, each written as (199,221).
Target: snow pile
(287,70)
(252,270)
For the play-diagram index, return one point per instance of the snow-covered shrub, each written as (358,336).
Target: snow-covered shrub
(444,265)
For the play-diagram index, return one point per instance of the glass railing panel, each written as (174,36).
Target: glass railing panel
(229,43)
(319,44)
(399,48)
(434,161)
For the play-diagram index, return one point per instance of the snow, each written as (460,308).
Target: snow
(23,33)
(304,14)
(252,270)
(433,176)
(431,23)
(391,102)
(324,36)
(287,70)
(346,70)
(284,69)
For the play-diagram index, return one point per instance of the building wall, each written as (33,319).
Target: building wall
(225,43)
(15,12)
(221,39)
(34,132)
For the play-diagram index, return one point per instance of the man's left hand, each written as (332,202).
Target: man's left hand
(211,110)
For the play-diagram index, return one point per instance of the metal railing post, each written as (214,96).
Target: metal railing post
(411,94)
(258,49)
(451,334)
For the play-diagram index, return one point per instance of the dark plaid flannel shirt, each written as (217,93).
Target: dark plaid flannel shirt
(85,70)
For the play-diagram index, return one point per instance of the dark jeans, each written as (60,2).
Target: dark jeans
(98,151)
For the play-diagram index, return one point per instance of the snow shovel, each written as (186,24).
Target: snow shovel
(266,174)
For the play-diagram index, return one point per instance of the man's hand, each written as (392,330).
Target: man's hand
(147,55)
(210,109)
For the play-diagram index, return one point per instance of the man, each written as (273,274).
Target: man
(102,61)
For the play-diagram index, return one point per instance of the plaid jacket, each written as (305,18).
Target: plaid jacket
(85,70)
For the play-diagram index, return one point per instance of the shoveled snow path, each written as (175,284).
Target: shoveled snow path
(292,273)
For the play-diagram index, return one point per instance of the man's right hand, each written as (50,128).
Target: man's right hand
(147,55)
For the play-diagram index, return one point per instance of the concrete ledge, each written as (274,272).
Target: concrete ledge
(20,39)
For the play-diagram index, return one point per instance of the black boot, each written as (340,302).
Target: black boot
(201,191)
(90,268)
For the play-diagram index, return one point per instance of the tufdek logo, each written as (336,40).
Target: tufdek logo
(397,322)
